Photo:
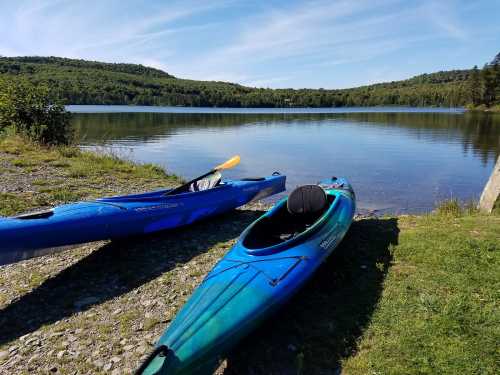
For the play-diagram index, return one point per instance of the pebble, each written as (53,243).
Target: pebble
(141,349)
(128,348)
(108,366)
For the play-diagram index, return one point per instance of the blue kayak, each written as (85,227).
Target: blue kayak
(36,234)
(272,259)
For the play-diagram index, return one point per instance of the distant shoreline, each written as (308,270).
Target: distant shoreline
(121,108)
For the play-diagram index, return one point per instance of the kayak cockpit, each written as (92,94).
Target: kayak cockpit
(304,209)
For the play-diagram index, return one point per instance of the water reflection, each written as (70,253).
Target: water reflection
(397,161)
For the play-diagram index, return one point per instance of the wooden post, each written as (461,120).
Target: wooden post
(491,190)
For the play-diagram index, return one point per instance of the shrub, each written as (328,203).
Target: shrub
(450,207)
(28,110)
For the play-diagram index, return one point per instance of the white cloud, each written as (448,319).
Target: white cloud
(252,43)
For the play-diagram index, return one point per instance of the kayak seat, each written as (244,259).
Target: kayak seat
(307,200)
(304,207)
(206,183)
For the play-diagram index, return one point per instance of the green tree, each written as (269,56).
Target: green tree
(475,90)
(489,85)
(28,110)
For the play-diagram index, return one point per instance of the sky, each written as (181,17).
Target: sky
(267,43)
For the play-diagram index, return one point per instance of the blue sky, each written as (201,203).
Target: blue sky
(268,43)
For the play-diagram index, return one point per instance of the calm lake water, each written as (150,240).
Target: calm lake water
(398,159)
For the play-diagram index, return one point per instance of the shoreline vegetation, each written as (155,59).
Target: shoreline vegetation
(407,294)
(73,81)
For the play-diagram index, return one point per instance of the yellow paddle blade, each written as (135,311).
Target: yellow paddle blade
(228,164)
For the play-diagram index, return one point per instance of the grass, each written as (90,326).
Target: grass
(64,174)
(453,207)
(438,312)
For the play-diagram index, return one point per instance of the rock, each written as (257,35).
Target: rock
(115,359)
(34,357)
(13,349)
(116,312)
(128,348)
(4,355)
(60,354)
(142,349)
(108,366)
(24,337)
(98,363)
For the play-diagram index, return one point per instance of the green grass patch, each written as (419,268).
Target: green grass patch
(13,203)
(64,194)
(438,313)
(455,208)
(24,163)
(80,175)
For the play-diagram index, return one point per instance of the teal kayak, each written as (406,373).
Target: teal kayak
(272,259)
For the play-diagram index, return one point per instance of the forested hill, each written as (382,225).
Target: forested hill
(90,82)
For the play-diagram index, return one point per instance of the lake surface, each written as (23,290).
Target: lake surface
(398,159)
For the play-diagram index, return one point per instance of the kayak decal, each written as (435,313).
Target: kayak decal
(159,207)
(330,239)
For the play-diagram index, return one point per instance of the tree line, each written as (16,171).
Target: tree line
(484,86)
(88,82)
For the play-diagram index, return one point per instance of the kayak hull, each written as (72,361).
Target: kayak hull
(33,235)
(248,285)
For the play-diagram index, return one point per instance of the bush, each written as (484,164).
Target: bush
(27,109)
(450,207)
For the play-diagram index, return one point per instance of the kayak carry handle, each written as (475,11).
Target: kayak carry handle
(161,350)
